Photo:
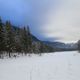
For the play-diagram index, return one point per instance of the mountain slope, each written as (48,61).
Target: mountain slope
(61,46)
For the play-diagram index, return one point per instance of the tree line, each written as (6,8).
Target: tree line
(78,45)
(19,40)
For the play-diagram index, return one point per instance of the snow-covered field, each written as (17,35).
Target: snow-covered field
(52,66)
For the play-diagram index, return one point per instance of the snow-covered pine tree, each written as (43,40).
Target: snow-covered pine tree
(24,40)
(29,40)
(2,41)
(18,45)
(79,45)
(10,41)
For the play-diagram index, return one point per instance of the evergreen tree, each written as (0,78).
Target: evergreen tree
(18,45)
(36,47)
(29,40)
(10,41)
(2,42)
(42,47)
(24,40)
(79,45)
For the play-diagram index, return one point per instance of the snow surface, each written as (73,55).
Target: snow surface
(52,66)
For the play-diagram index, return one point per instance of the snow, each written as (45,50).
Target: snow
(51,66)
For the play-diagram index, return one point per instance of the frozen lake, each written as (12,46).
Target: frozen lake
(52,66)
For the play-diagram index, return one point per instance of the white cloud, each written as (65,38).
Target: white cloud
(64,22)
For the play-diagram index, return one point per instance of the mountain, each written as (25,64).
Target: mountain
(59,46)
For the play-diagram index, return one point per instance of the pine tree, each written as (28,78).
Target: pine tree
(29,40)
(2,42)
(36,47)
(10,41)
(18,45)
(24,40)
(79,45)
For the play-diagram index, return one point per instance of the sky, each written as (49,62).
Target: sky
(49,20)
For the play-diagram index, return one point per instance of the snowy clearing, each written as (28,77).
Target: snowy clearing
(52,66)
